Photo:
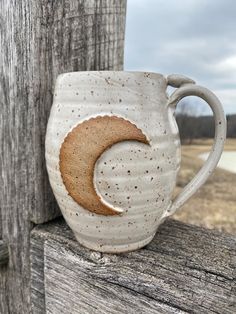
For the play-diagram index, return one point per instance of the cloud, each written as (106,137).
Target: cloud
(191,37)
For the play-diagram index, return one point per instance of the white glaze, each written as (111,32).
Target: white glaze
(137,178)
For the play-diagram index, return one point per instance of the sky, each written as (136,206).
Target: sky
(196,38)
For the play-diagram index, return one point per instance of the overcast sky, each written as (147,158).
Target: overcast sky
(196,38)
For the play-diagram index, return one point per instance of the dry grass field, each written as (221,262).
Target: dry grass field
(214,205)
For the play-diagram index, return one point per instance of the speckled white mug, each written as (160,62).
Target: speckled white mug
(113,154)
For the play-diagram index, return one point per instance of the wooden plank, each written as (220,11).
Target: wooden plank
(38,40)
(184,269)
(69,288)
(37,276)
(38,237)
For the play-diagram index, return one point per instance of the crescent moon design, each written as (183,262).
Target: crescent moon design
(81,149)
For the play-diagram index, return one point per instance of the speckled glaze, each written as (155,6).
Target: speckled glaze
(135,179)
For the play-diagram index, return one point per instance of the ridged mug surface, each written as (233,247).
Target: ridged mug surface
(135,179)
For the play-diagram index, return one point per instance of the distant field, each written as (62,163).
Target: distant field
(214,205)
(227,160)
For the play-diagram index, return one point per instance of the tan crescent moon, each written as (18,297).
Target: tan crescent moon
(81,149)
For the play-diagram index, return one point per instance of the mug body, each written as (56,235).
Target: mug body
(135,174)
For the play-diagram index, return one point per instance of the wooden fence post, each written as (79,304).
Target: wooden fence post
(38,40)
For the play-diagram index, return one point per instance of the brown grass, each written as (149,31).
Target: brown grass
(214,205)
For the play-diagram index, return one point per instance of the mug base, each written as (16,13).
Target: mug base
(109,248)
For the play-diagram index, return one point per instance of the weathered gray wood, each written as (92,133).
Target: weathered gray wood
(38,236)
(70,288)
(184,269)
(38,40)
(4,254)
(37,276)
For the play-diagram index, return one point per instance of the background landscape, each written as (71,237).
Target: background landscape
(214,205)
(195,38)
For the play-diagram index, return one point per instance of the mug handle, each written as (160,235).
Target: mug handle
(187,87)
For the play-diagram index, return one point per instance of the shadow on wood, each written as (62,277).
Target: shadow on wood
(4,255)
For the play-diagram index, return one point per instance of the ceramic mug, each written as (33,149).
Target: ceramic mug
(113,154)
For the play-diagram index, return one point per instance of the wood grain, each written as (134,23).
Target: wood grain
(38,40)
(185,269)
(57,228)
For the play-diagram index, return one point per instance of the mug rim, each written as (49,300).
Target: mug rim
(64,74)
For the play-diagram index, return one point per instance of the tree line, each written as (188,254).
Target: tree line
(196,127)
